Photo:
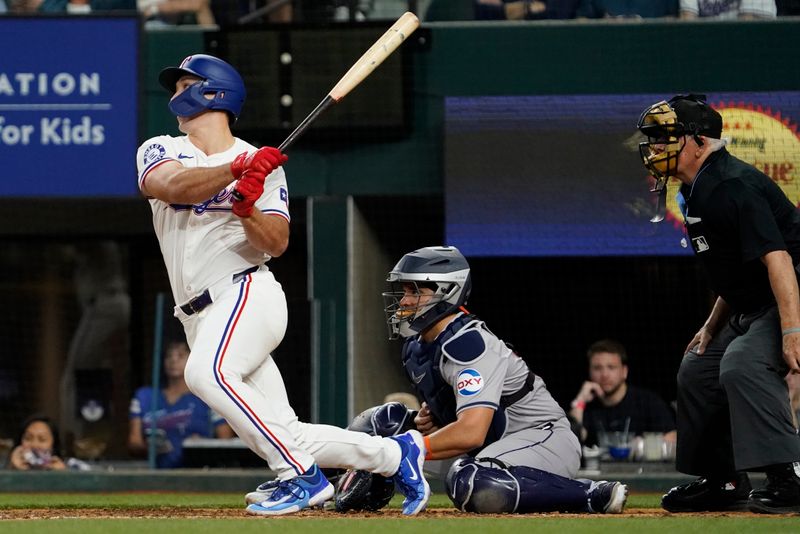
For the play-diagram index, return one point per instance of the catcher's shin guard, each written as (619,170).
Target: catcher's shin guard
(488,486)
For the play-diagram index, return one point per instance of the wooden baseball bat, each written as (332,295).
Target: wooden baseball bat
(377,53)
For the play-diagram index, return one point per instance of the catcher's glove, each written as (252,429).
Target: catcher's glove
(363,491)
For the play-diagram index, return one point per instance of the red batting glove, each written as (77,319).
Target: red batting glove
(265,160)
(250,187)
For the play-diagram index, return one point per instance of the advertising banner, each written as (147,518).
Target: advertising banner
(68,106)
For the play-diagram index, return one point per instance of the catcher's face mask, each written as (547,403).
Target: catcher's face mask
(665,141)
(405,302)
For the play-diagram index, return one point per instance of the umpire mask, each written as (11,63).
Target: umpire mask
(664,142)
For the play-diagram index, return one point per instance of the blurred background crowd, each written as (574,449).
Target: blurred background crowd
(225,13)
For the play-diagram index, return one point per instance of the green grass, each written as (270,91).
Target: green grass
(332,524)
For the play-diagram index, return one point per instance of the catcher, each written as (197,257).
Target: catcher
(480,401)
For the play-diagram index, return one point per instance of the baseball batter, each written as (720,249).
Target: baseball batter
(215,247)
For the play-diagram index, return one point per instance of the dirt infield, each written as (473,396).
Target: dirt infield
(184,512)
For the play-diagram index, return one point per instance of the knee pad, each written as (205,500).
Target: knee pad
(474,486)
(386,420)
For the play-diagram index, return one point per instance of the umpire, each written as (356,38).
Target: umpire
(733,404)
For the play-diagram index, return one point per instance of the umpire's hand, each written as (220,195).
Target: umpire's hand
(791,351)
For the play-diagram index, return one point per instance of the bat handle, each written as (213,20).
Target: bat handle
(327,102)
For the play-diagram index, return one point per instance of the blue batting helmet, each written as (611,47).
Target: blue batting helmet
(217,78)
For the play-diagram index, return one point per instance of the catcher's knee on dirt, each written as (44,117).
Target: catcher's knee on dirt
(361,490)
(487,486)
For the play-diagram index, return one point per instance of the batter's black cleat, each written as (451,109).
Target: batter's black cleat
(781,494)
(709,495)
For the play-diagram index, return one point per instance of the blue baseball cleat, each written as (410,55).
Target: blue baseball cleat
(262,492)
(409,478)
(298,493)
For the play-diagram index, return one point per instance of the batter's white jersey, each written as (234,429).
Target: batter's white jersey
(204,243)
(231,340)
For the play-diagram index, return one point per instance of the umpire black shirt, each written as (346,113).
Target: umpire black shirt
(735,214)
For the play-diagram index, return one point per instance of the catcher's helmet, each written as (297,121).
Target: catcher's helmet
(217,78)
(666,123)
(442,269)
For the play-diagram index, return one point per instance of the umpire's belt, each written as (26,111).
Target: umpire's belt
(202,301)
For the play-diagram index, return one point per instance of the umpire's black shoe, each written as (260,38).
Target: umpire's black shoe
(781,494)
(709,495)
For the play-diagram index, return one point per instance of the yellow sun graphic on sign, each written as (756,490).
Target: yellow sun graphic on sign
(762,138)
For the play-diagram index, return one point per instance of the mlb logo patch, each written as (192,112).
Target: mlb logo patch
(469,382)
(154,153)
(700,244)
(284,196)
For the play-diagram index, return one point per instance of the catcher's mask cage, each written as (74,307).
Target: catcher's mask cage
(217,78)
(443,271)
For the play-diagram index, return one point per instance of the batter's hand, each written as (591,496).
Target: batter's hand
(250,187)
(699,342)
(264,160)
(791,351)
(424,421)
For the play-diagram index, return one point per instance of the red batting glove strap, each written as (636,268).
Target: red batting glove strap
(250,186)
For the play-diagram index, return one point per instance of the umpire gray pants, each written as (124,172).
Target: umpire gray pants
(733,402)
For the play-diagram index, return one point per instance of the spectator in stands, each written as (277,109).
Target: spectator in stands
(82,7)
(3,7)
(525,9)
(176,12)
(727,9)
(37,447)
(646,9)
(23,6)
(228,13)
(606,402)
(178,414)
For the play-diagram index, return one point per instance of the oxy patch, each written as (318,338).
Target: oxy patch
(469,382)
